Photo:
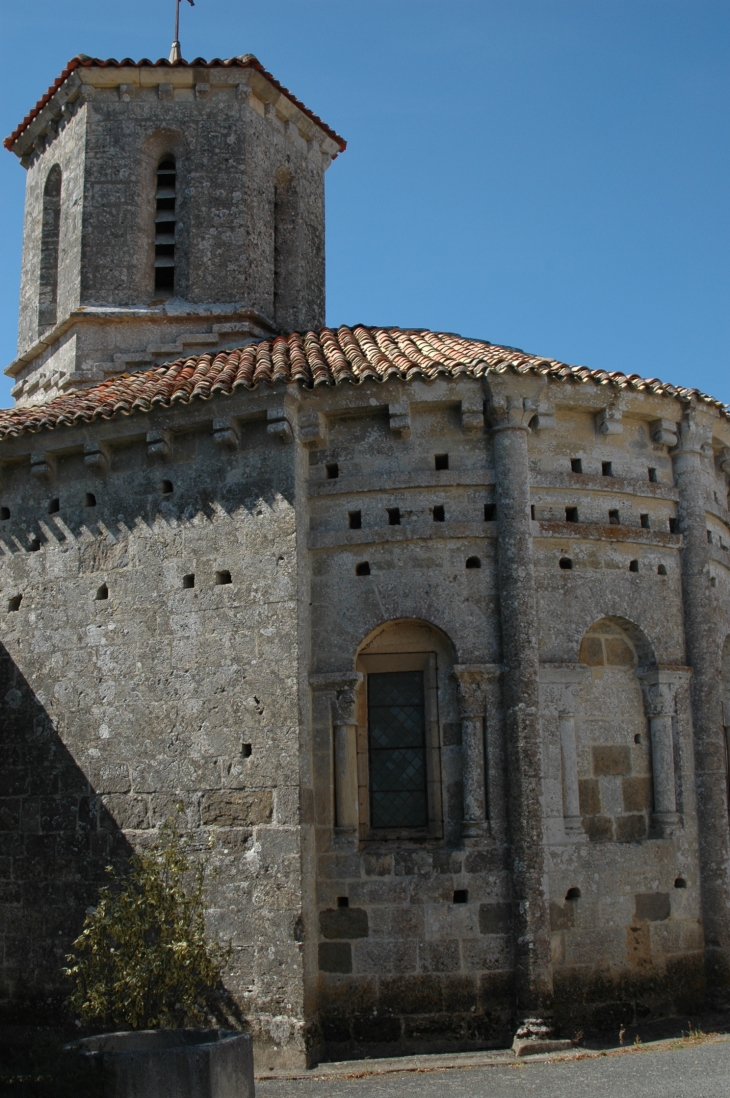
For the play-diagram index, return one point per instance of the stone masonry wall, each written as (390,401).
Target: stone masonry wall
(130,686)
(150,625)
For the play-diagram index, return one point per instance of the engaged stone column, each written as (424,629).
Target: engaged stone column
(704,644)
(343,690)
(514,400)
(560,687)
(472,700)
(660,688)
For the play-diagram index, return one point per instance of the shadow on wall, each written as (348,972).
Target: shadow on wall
(55,840)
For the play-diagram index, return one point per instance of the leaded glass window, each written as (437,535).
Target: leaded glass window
(397,750)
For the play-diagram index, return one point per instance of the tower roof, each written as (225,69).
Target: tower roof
(324,358)
(246,61)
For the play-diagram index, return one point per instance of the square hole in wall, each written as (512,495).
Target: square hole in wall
(343,901)
(439,515)
(633,566)
(362,569)
(441,461)
(54,505)
(490,512)
(223,577)
(394,516)
(652,474)
(461,896)
(354,519)
(14,603)
(246,750)
(673,526)
(576,465)
(645,523)
(606,468)
(613,518)
(333,470)
(4,513)
(571,514)
(189,580)
(166,488)
(89,500)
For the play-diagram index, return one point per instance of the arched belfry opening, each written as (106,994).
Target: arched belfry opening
(50,241)
(165,225)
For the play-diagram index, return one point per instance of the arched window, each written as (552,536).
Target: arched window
(165,224)
(407,698)
(50,233)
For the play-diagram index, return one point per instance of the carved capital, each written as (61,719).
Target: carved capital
(472,680)
(695,432)
(343,685)
(513,400)
(659,697)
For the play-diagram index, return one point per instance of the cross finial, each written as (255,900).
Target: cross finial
(175,54)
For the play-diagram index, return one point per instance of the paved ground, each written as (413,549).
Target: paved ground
(675,1069)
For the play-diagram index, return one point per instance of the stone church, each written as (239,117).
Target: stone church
(428,635)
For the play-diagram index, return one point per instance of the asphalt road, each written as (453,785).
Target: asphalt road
(693,1071)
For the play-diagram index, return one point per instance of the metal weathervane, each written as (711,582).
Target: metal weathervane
(175,54)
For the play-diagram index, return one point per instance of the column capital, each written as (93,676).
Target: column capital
(343,684)
(513,399)
(472,680)
(561,683)
(659,694)
(695,432)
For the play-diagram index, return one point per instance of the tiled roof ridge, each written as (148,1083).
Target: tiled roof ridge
(327,357)
(246,61)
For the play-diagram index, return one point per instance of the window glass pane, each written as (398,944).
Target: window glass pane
(397,749)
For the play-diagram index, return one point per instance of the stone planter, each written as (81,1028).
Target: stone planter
(174,1063)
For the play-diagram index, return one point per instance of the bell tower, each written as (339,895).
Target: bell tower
(171,209)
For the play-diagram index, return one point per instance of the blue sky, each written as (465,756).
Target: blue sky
(549,174)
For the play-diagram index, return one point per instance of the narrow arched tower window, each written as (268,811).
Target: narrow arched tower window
(165,223)
(50,231)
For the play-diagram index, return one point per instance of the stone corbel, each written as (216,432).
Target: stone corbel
(226,432)
(514,399)
(608,421)
(312,429)
(659,688)
(43,465)
(472,683)
(277,425)
(545,419)
(663,432)
(159,445)
(97,456)
(165,91)
(342,687)
(202,91)
(472,416)
(400,419)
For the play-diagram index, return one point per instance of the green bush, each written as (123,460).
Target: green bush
(142,960)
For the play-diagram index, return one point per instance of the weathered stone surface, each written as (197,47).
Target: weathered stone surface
(191,619)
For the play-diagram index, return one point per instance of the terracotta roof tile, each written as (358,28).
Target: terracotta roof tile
(246,62)
(327,357)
